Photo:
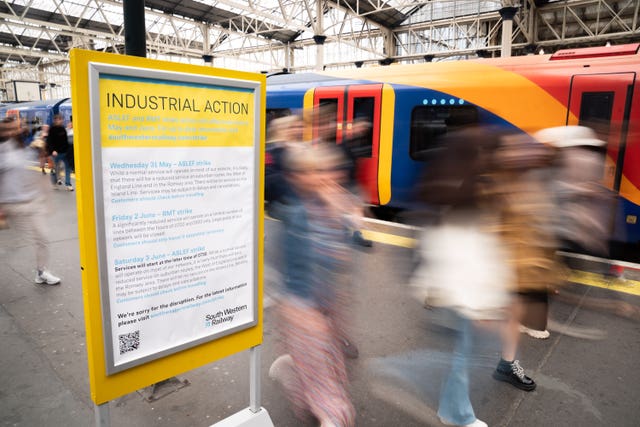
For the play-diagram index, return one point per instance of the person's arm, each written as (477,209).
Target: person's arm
(49,143)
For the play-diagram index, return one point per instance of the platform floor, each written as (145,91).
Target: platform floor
(581,382)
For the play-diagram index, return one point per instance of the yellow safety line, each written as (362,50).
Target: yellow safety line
(598,280)
(377,236)
(389,239)
(47,170)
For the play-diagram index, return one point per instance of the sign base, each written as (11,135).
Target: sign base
(246,418)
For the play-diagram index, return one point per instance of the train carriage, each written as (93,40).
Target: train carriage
(411,106)
(36,113)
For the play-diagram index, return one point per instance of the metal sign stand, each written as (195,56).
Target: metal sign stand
(254,415)
(102,415)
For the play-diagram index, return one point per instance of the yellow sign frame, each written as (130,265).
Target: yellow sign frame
(108,387)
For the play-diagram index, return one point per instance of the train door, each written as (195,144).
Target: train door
(330,101)
(347,106)
(363,134)
(603,103)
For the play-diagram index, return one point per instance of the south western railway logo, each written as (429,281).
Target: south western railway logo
(222,316)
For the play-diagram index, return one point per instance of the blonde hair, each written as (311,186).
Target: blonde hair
(309,158)
(280,126)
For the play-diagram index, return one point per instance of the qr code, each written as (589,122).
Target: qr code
(129,342)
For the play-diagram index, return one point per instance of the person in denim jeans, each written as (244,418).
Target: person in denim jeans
(57,147)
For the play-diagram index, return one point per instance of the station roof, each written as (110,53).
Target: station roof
(268,35)
(105,16)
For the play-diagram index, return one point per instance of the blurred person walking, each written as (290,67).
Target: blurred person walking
(526,228)
(58,147)
(325,122)
(39,143)
(462,264)
(21,197)
(584,206)
(317,258)
(70,153)
(281,132)
(585,211)
(356,146)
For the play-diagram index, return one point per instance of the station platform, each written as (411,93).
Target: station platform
(586,371)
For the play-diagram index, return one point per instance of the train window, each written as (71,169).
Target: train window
(430,123)
(595,111)
(363,111)
(327,119)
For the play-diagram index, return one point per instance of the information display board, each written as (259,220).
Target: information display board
(169,191)
(21,91)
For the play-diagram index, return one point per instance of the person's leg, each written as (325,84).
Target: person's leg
(535,315)
(318,366)
(71,158)
(27,219)
(511,331)
(455,406)
(54,170)
(38,231)
(509,369)
(54,177)
(67,170)
(42,158)
(339,312)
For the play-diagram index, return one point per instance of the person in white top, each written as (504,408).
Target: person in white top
(22,198)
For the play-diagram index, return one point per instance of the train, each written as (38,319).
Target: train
(34,114)
(411,107)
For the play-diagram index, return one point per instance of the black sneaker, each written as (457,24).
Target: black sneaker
(359,239)
(515,376)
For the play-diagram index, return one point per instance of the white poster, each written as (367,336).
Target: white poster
(180,245)
(178,182)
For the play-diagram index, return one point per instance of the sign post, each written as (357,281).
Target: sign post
(169,190)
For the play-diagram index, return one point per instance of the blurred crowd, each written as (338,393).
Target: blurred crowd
(487,252)
(490,231)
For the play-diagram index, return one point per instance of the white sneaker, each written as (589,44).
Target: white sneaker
(281,369)
(476,423)
(47,278)
(69,187)
(541,335)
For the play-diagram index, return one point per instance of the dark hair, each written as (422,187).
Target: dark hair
(455,170)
